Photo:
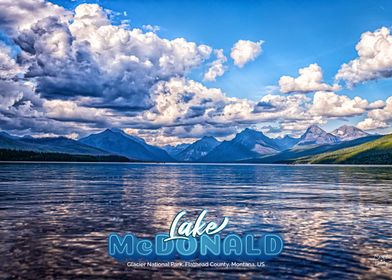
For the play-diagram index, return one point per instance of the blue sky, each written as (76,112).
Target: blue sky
(82,66)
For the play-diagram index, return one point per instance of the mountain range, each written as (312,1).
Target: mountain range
(116,141)
(378,151)
(314,135)
(248,146)
(173,150)
(347,132)
(48,144)
(198,149)
(286,142)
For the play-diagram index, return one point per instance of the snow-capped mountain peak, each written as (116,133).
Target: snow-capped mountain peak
(314,135)
(347,132)
(198,149)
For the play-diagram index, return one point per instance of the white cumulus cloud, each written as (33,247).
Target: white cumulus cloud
(371,124)
(379,117)
(217,67)
(22,14)
(374,59)
(89,56)
(310,79)
(330,104)
(244,51)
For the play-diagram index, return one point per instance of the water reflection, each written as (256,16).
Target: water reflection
(55,217)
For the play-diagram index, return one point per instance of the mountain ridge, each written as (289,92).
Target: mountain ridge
(286,142)
(378,151)
(290,156)
(348,132)
(173,150)
(48,144)
(198,149)
(123,144)
(315,135)
(247,146)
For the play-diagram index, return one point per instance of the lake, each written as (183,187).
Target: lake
(336,221)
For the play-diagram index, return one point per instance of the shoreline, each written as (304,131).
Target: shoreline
(195,163)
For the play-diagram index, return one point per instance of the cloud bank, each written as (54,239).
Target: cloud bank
(69,72)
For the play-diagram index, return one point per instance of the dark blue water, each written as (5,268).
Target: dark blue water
(55,218)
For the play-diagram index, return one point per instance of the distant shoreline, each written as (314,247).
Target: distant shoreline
(20,156)
(194,163)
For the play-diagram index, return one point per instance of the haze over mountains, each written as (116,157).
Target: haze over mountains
(198,149)
(49,144)
(286,142)
(248,143)
(247,146)
(174,150)
(118,142)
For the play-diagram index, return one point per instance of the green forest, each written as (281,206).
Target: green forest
(15,155)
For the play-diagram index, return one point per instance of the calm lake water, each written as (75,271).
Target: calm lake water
(54,218)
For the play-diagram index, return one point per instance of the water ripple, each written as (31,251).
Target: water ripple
(55,218)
